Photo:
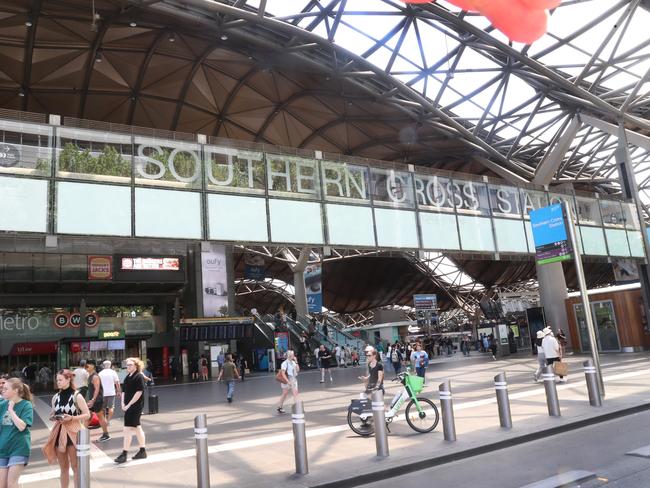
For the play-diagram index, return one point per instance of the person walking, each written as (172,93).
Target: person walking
(95,398)
(420,359)
(111,386)
(541,358)
(132,405)
(324,356)
(221,358)
(396,357)
(338,352)
(80,378)
(204,367)
(551,349)
(16,417)
(289,370)
(316,351)
(69,411)
(492,341)
(194,366)
(375,378)
(229,374)
(173,365)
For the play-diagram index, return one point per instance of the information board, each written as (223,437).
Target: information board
(550,234)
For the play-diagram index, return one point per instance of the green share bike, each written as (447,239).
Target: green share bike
(421,413)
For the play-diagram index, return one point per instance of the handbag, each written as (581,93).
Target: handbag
(281,377)
(560,368)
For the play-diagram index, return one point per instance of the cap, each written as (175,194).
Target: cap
(106,364)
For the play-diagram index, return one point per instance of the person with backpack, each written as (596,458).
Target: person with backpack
(396,357)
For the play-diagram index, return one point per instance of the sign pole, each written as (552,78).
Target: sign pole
(583,295)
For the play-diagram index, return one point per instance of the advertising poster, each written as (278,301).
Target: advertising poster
(281,343)
(215,282)
(255,268)
(550,235)
(313,284)
(625,271)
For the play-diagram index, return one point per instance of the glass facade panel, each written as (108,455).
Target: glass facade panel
(475,233)
(25,148)
(505,201)
(471,197)
(391,187)
(167,213)
(636,243)
(532,200)
(235,218)
(588,211)
(296,222)
(350,225)
(93,155)
(396,228)
(47,267)
(23,204)
(529,236)
(612,213)
(236,170)
(173,164)
(617,242)
(434,193)
(292,177)
(631,216)
(345,182)
(593,241)
(88,209)
(439,231)
(562,197)
(511,235)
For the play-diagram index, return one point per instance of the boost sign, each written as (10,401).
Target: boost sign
(64,320)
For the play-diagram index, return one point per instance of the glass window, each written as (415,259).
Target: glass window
(475,233)
(23,204)
(617,242)
(296,222)
(47,267)
(18,267)
(636,243)
(612,213)
(529,236)
(434,193)
(471,197)
(392,187)
(511,235)
(345,182)
(94,155)
(231,169)
(82,209)
(25,148)
(593,241)
(167,213)
(350,225)
(292,177)
(173,164)
(532,200)
(631,216)
(396,228)
(74,267)
(237,218)
(588,211)
(439,231)
(505,201)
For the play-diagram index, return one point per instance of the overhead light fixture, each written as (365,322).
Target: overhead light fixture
(29,22)
(133,23)
(98,57)
(172,37)
(21,93)
(223,37)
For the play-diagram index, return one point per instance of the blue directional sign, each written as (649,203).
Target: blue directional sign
(550,234)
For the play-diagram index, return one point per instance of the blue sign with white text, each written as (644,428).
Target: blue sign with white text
(550,234)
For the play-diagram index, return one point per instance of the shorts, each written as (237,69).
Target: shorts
(132,416)
(109,402)
(97,407)
(293,384)
(6,463)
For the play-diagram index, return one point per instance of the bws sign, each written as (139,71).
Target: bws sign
(65,320)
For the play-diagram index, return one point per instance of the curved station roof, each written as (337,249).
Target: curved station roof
(427,84)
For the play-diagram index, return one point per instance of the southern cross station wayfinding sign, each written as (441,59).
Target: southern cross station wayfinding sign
(550,234)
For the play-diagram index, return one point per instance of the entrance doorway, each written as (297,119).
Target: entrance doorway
(606,326)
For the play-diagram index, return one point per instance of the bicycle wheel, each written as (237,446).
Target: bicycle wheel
(360,426)
(424,421)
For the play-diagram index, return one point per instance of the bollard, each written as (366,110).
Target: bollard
(503,401)
(592,384)
(202,463)
(448,424)
(379,419)
(83,458)
(552,401)
(299,437)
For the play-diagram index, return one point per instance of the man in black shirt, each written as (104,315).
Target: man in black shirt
(375,378)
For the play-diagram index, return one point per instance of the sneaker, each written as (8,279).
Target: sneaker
(280,410)
(229,399)
(104,438)
(121,458)
(494,357)
(141,454)
(322,381)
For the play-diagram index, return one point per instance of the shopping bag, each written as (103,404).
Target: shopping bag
(560,368)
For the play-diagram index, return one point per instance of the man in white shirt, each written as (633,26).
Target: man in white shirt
(80,380)
(111,385)
(551,348)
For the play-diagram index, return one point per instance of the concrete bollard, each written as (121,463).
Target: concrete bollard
(299,437)
(503,401)
(379,419)
(83,458)
(592,384)
(552,400)
(202,462)
(448,424)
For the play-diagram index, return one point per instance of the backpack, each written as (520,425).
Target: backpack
(394,357)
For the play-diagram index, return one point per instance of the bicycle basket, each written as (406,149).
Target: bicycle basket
(415,383)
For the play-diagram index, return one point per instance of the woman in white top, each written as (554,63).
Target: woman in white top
(289,372)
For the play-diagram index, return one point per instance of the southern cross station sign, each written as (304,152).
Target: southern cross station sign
(550,234)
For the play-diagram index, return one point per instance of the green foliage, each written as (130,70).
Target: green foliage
(184,163)
(108,163)
(220,172)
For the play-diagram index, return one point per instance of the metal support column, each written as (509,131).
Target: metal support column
(202,462)
(83,458)
(592,384)
(503,401)
(379,419)
(448,424)
(299,437)
(552,400)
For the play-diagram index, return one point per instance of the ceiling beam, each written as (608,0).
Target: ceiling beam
(554,157)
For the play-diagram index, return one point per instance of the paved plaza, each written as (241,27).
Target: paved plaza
(251,445)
